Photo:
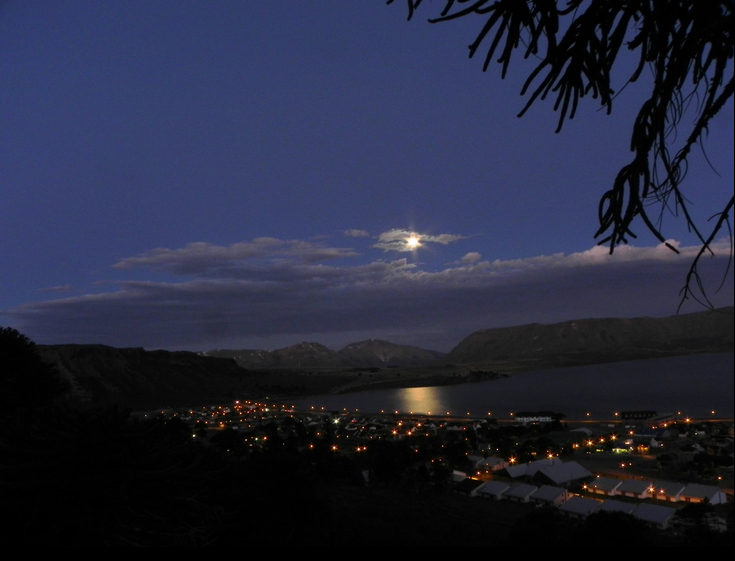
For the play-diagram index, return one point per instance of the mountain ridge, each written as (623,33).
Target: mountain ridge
(133,377)
(588,339)
(370,353)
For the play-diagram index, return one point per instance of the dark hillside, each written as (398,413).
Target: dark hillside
(590,341)
(139,379)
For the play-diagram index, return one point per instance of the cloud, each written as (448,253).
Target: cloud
(443,239)
(395,240)
(357,233)
(233,304)
(600,255)
(60,288)
(472,257)
(201,257)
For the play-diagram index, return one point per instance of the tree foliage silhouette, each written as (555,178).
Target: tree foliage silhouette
(25,380)
(688,46)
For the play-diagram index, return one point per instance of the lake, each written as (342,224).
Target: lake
(694,385)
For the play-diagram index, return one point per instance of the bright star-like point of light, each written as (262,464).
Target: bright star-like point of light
(399,239)
(413,241)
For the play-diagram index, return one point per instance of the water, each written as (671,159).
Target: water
(693,385)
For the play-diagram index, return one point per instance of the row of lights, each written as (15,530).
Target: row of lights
(489,413)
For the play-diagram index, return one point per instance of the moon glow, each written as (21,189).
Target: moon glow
(413,241)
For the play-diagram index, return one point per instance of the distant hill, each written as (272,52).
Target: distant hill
(590,341)
(372,353)
(377,353)
(302,355)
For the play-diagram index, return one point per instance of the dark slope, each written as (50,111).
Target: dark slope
(139,379)
(590,341)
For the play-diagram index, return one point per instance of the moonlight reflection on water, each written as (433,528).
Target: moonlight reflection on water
(425,400)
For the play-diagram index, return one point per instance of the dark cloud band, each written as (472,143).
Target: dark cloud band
(295,297)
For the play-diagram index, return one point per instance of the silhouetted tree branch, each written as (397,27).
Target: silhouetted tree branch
(688,46)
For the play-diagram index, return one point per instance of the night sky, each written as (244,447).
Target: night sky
(198,175)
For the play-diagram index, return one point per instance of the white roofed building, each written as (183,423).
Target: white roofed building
(656,515)
(698,493)
(561,474)
(635,488)
(529,469)
(494,490)
(611,505)
(520,492)
(605,486)
(548,495)
(580,507)
(669,491)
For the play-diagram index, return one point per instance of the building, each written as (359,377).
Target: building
(548,495)
(561,474)
(667,490)
(605,486)
(468,486)
(697,493)
(528,470)
(656,515)
(493,490)
(635,488)
(520,492)
(611,505)
(580,507)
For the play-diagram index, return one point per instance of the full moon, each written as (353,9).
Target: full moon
(413,242)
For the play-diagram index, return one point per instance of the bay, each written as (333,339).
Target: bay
(697,386)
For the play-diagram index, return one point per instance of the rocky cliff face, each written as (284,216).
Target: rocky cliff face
(600,340)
